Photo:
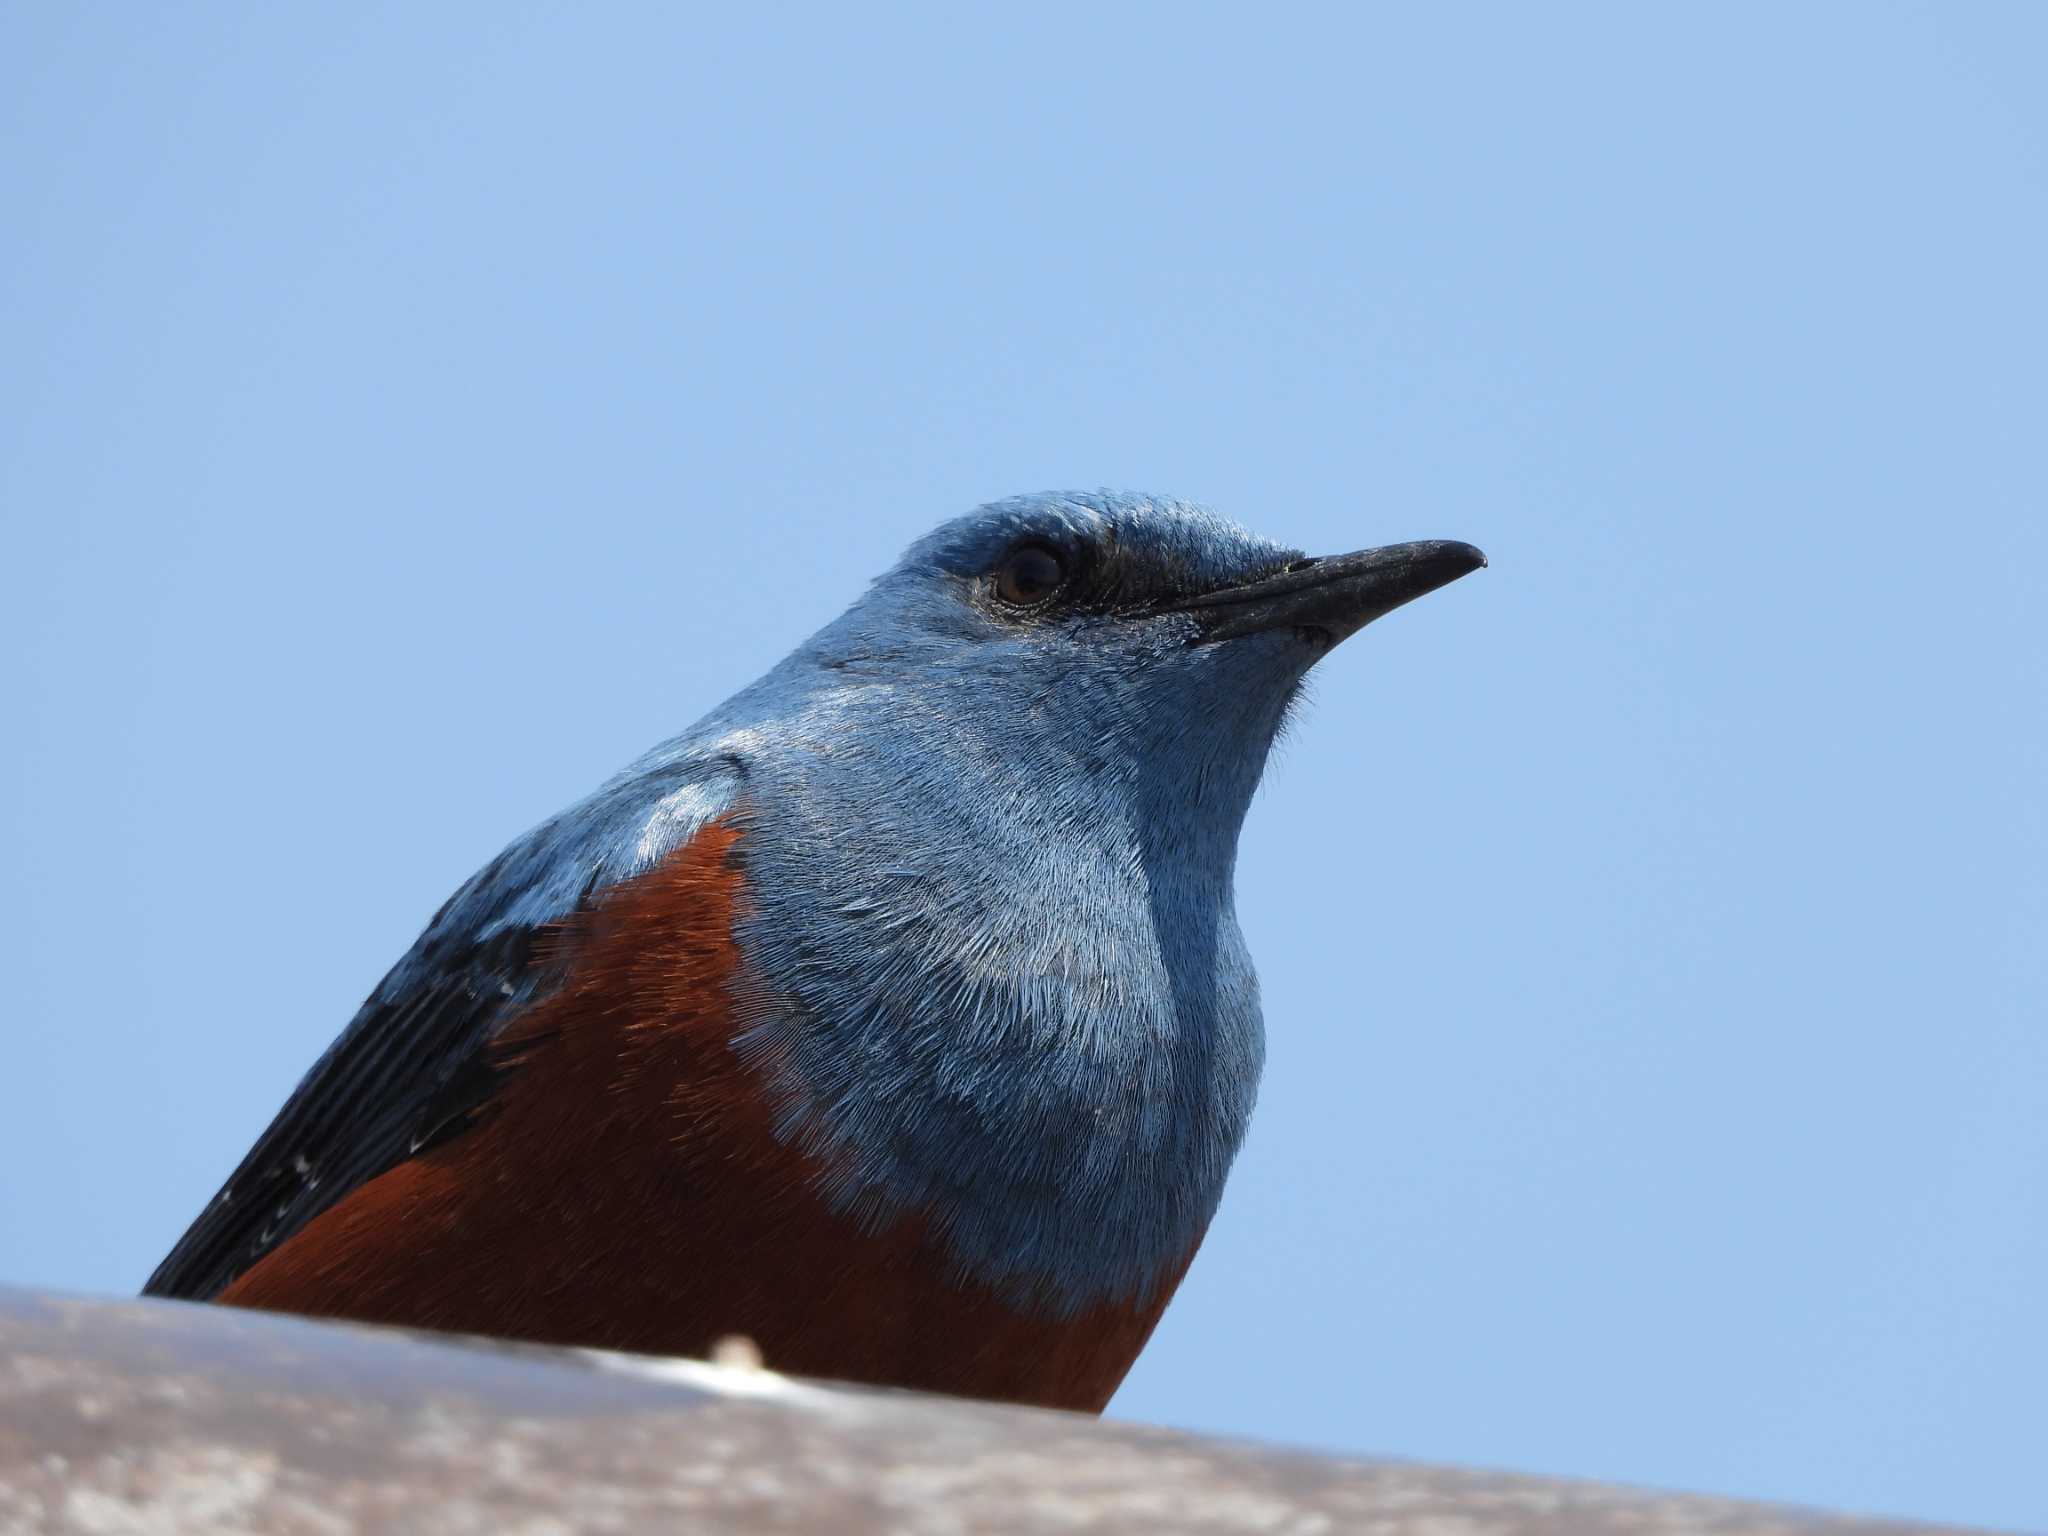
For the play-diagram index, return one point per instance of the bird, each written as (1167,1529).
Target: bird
(895,1015)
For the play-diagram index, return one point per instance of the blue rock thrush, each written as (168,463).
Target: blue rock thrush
(895,1014)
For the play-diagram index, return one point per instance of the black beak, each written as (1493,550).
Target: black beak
(1335,596)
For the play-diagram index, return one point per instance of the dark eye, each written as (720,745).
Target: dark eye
(1029,575)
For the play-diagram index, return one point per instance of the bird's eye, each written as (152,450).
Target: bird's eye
(1029,575)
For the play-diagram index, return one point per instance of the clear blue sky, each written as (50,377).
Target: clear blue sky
(409,413)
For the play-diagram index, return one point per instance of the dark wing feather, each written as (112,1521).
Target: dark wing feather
(412,1068)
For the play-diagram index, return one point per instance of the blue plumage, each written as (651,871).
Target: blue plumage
(990,968)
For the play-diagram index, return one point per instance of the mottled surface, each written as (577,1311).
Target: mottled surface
(146,1417)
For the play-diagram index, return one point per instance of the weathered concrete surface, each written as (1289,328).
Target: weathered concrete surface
(137,1417)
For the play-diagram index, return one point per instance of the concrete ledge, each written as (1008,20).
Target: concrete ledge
(141,1417)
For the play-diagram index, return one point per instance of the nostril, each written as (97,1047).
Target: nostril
(1300,565)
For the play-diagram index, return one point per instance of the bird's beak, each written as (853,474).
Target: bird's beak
(1338,595)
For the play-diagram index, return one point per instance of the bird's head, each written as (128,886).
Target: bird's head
(1111,636)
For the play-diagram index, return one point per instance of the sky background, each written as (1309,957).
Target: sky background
(408,414)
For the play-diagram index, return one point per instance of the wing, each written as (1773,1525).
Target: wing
(411,1069)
